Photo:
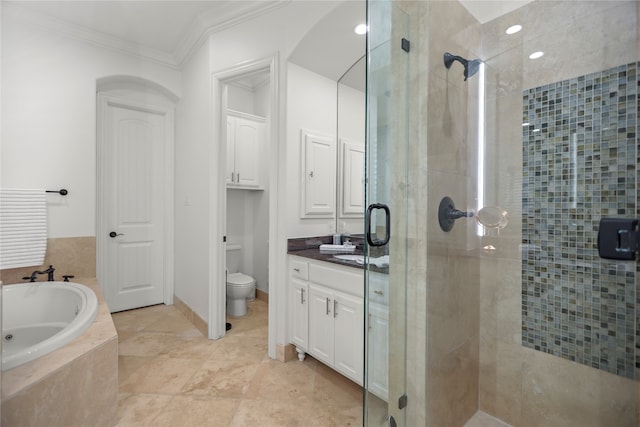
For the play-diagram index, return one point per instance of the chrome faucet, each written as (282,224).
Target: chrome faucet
(49,272)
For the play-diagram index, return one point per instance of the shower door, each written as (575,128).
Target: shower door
(386,218)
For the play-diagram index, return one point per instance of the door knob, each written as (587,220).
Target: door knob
(114,234)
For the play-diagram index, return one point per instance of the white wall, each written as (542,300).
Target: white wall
(48,124)
(192,154)
(311,105)
(276,33)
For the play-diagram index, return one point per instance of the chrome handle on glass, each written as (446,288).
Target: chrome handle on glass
(335,308)
(328,311)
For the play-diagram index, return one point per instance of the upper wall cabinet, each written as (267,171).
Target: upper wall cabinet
(245,139)
(351,179)
(318,162)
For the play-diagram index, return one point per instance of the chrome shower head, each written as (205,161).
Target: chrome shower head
(471,67)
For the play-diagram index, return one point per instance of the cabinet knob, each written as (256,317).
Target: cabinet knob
(378,292)
(297,270)
(311,174)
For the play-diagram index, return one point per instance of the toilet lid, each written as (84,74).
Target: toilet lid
(240,279)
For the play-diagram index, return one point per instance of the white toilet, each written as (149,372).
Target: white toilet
(240,287)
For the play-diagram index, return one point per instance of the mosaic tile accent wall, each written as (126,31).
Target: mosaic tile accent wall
(580,159)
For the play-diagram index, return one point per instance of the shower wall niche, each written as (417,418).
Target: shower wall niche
(580,164)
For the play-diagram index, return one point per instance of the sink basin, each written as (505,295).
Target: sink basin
(381,262)
(357,258)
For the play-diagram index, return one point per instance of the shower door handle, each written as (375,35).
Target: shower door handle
(374,241)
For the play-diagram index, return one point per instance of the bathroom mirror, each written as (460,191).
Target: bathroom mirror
(350,152)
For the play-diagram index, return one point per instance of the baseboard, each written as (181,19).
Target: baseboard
(262,296)
(191,316)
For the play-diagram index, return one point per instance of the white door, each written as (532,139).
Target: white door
(349,335)
(133,146)
(321,324)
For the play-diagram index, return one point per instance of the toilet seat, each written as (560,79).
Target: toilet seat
(239,279)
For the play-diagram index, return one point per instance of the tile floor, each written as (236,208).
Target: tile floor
(170,375)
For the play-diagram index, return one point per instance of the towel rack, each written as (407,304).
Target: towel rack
(62,191)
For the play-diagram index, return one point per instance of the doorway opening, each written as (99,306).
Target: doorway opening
(245,103)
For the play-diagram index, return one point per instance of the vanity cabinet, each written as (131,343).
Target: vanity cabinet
(318,188)
(245,134)
(333,329)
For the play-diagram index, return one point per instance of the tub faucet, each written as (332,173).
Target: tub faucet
(49,272)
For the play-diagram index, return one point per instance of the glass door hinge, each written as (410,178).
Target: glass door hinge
(402,401)
(406,45)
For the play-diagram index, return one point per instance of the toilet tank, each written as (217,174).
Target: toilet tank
(233,258)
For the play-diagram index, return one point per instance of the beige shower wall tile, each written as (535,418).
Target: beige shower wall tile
(501,300)
(460,36)
(544,15)
(452,303)
(500,379)
(592,43)
(453,386)
(562,393)
(447,141)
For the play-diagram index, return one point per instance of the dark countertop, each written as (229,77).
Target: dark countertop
(310,248)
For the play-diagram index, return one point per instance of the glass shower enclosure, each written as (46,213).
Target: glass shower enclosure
(386,215)
(517,128)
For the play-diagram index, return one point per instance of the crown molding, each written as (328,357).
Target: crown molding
(226,15)
(88,35)
(230,14)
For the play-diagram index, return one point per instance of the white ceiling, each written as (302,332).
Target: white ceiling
(166,31)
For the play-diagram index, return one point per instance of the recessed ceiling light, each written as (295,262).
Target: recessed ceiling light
(514,29)
(361,29)
(536,55)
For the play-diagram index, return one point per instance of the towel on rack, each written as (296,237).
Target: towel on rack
(23,227)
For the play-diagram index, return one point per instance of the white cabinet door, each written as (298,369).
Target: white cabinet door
(321,325)
(244,145)
(318,175)
(351,179)
(349,336)
(378,357)
(299,313)
(231,150)
(248,135)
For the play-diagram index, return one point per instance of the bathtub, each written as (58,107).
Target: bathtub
(38,318)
